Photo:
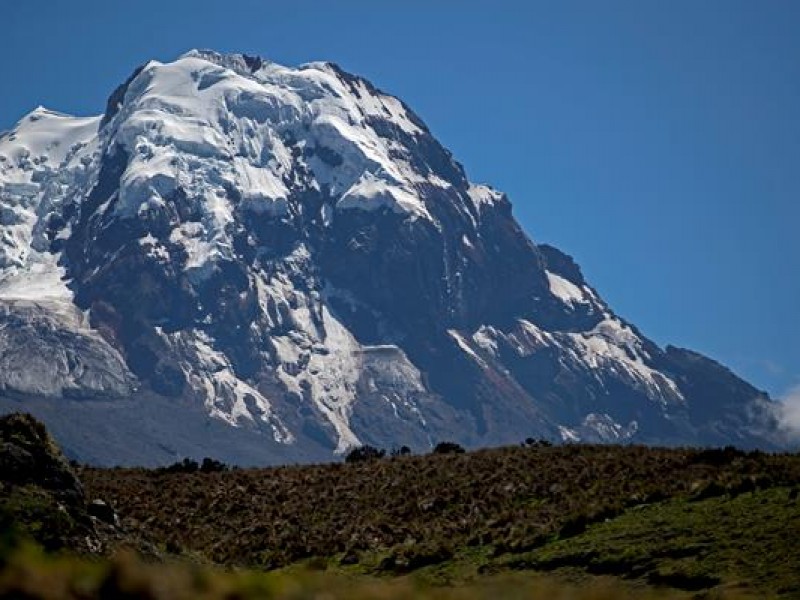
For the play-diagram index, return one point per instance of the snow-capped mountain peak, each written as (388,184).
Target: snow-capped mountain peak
(291,254)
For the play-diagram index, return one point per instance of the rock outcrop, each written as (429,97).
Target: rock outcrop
(291,255)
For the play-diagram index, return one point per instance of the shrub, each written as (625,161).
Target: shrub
(211,465)
(533,443)
(717,457)
(448,448)
(364,454)
(187,465)
(401,451)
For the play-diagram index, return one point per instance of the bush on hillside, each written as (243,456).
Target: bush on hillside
(210,465)
(534,443)
(717,457)
(448,448)
(364,454)
(187,465)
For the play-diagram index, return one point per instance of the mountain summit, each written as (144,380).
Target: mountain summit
(267,264)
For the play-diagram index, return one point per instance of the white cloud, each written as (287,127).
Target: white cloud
(789,413)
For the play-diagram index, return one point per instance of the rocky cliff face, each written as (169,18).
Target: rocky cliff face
(288,258)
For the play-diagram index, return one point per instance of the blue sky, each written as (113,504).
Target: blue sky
(656,142)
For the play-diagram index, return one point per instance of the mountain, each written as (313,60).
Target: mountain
(270,264)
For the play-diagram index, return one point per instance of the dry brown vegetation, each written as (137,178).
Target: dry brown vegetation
(582,522)
(398,514)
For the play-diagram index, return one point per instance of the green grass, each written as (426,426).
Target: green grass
(747,543)
(33,575)
(31,512)
(740,546)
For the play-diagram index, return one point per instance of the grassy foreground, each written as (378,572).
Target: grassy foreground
(31,575)
(571,522)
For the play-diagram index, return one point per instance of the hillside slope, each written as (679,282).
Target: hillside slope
(580,521)
(691,520)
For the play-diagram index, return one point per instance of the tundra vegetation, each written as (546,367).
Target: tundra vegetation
(535,520)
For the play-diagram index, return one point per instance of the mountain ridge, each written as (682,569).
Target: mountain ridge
(292,253)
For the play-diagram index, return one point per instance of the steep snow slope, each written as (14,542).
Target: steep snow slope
(291,253)
(47,347)
(42,160)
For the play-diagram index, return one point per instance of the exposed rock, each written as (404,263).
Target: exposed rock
(103,511)
(28,455)
(291,254)
(40,496)
(45,350)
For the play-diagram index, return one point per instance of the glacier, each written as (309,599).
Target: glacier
(288,256)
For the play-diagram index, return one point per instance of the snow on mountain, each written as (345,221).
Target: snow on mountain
(483,195)
(48,347)
(566,291)
(45,139)
(206,122)
(42,160)
(289,253)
